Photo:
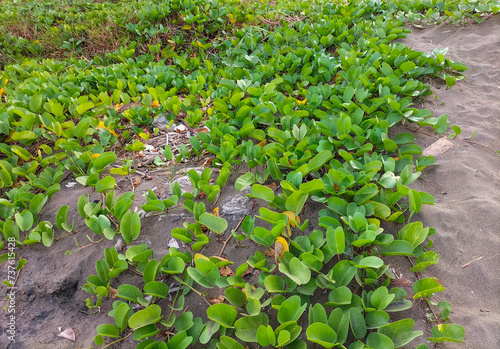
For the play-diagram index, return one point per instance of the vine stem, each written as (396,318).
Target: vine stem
(118,340)
(192,289)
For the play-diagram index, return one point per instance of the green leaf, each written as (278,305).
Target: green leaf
(295,202)
(262,192)
(317,313)
(415,201)
(216,224)
(180,341)
(322,334)
(150,315)
(358,324)
(414,233)
(319,160)
(108,330)
(291,310)
(370,262)
(82,108)
(35,103)
(130,226)
(24,220)
(105,184)
(104,160)
(365,193)
(122,313)
(314,186)
(62,218)
(381,298)
(379,341)
(228,343)
(447,333)
(400,332)
(246,327)
(244,181)
(426,287)
(296,270)
(129,293)
(82,127)
(223,314)
(407,66)
(424,260)
(398,248)
(23,136)
(265,336)
(335,240)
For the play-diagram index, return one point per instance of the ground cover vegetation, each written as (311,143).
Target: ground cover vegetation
(300,93)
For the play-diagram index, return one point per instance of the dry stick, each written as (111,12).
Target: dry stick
(230,236)
(475,260)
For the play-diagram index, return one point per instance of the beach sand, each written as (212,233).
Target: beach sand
(466,180)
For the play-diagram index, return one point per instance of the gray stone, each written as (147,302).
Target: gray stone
(234,208)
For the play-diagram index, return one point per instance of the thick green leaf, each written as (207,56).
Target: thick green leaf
(150,315)
(400,332)
(291,310)
(244,181)
(105,184)
(261,192)
(246,327)
(447,333)
(426,287)
(296,270)
(223,314)
(216,224)
(322,334)
(130,226)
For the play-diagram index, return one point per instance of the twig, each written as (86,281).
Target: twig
(230,236)
(467,264)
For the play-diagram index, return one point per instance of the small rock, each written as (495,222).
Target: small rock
(173,243)
(235,207)
(161,121)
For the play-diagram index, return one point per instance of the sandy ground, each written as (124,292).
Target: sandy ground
(466,180)
(465,183)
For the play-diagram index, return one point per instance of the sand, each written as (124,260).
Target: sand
(466,180)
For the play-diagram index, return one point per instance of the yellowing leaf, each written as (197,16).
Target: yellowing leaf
(280,246)
(216,212)
(186,27)
(101,126)
(118,106)
(292,220)
(301,102)
(199,255)
(231,18)
(95,156)
(262,143)
(144,135)
(199,44)
(1,91)
(156,103)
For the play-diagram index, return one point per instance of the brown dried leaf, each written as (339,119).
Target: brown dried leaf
(136,182)
(249,271)
(269,253)
(68,334)
(216,300)
(272,186)
(226,271)
(113,292)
